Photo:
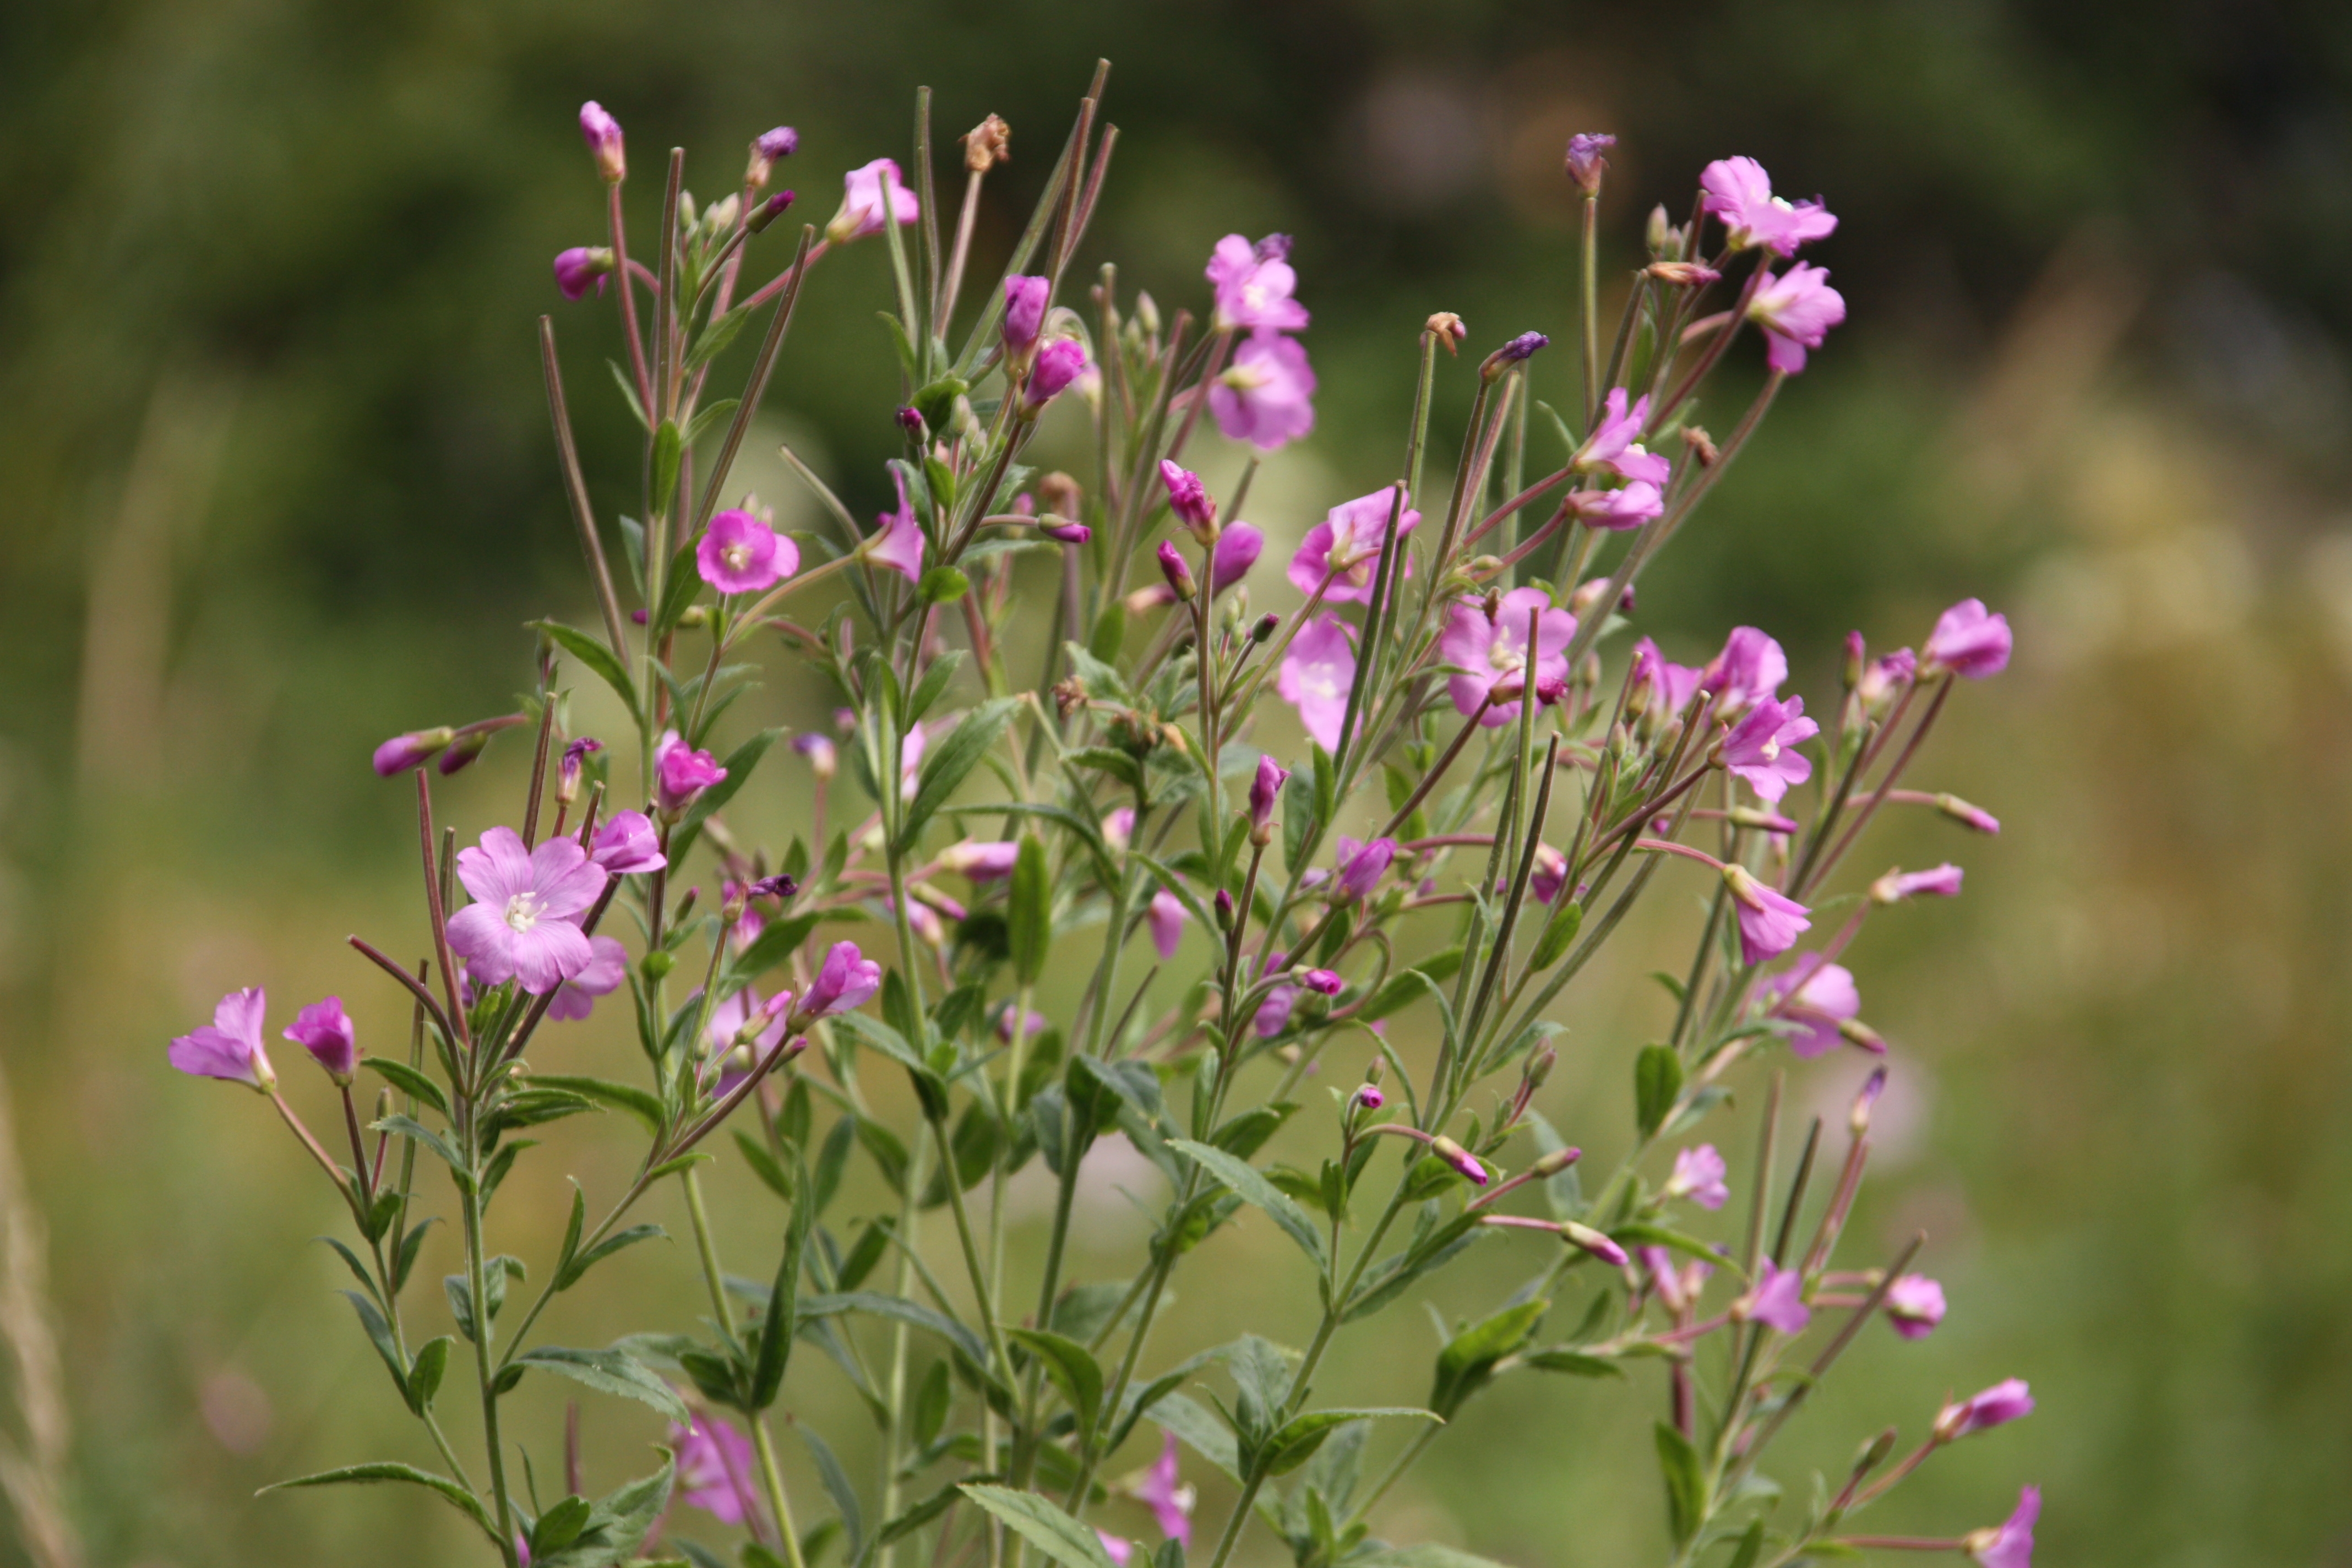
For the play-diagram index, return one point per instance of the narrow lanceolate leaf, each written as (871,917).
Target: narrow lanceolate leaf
(391,1470)
(1043,1525)
(783,1314)
(948,763)
(1295,1442)
(619,1096)
(609,1372)
(1685,1482)
(409,1081)
(410,1128)
(1255,1188)
(593,654)
(1029,919)
(1657,1080)
(1074,1370)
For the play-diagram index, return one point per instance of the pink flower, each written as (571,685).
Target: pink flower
(1237,550)
(1166,917)
(847,979)
(1119,1549)
(1795,311)
(1614,444)
(1178,576)
(1698,1176)
(1253,285)
(1770,922)
(1059,363)
(1678,1289)
(1031,1022)
(823,760)
(863,192)
(627,844)
(413,750)
(1751,669)
(1346,547)
(1266,395)
(1361,867)
(741,554)
(1368,1097)
(1968,641)
(2004,1402)
(1739,192)
(1266,789)
(1273,1012)
(681,773)
(607,967)
(523,921)
(2010,1545)
(1914,1305)
(1162,1488)
(1880,678)
(780,142)
(1316,675)
(744,1010)
(323,1030)
(1817,998)
(1190,500)
(1550,874)
(982,860)
(715,1469)
(1490,657)
(1777,1301)
(1894,886)
(582,268)
(1974,817)
(1671,686)
(1762,747)
(1119,827)
(1585,163)
(899,543)
(230,1045)
(1628,506)
(602,134)
(1024,313)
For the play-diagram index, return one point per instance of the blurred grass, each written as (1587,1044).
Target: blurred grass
(280,484)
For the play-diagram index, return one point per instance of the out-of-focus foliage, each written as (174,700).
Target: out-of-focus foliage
(278,484)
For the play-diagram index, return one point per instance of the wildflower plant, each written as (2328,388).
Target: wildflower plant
(1495,770)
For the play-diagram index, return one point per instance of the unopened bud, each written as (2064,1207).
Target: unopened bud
(1620,741)
(1587,674)
(1376,1070)
(1700,445)
(1223,906)
(987,144)
(602,134)
(1660,232)
(1863,1035)
(463,750)
(769,210)
(1178,576)
(1517,352)
(1683,274)
(1858,1119)
(413,750)
(1267,624)
(1872,1453)
(766,149)
(1976,817)
(1540,1066)
(1151,596)
(1553,1163)
(1366,1097)
(1147,313)
(567,771)
(1593,1242)
(1586,160)
(1447,328)
(686,906)
(1066,533)
(1461,1159)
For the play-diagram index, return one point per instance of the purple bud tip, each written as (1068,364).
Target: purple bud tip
(638,616)
(1461,1159)
(1273,248)
(573,752)
(1325,981)
(1066,533)
(780,142)
(909,421)
(769,211)
(1172,567)
(1524,346)
(1369,1096)
(780,886)
(414,750)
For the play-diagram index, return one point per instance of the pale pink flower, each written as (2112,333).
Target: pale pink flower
(981,859)
(1944,881)
(2011,1544)
(898,543)
(1267,396)
(230,1045)
(1316,675)
(1777,1300)
(1671,686)
(1163,1490)
(1119,827)
(1346,547)
(1795,311)
(715,1468)
(1968,640)
(741,554)
(1166,917)
(1615,445)
(1770,922)
(627,844)
(1117,1548)
(1739,192)
(2004,1402)
(1236,551)
(1751,669)
(1914,1305)
(1762,747)
(1254,284)
(325,1031)
(608,966)
(847,979)
(523,921)
(1698,1176)
(1490,657)
(1628,506)
(1816,997)
(862,191)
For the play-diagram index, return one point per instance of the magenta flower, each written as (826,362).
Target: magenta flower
(1795,311)
(1237,550)
(1031,1022)
(2006,1401)
(899,543)
(741,554)
(982,860)
(1025,314)
(1266,789)
(1585,163)
(1345,547)
(1361,867)
(1914,1305)
(743,1011)
(1762,747)
(1550,874)
(1267,396)
(681,773)
(1817,998)
(1316,675)
(1671,686)
(1749,669)
(1739,192)
(582,268)
(527,903)
(1967,640)
(1628,506)
(1066,533)
(627,844)
(715,1468)
(1178,576)
(1698,1176)
(607,967)
(1117,1548)
(780,142)
(1166,917)
(1882,675)
(230,1045)
(1119,827)
(1770,922)
(1162,1489)
(1323,981)
(1253,285)
(1894,886)
(1059,363)
(862,191)
(325,1031)
(1490,657)
(1368,1097)
(2010,1545)
(823,760)
(1777,1300)
(413,750)
(602,134)
(1614,445)
(1190,500)
(847,979)
(1273,1012)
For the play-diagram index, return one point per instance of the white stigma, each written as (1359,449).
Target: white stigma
(523,910)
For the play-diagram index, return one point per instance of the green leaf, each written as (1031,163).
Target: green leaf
(667,443)
(1686,1483)
(1657,1081)
(576,1267)
(1074,1371)
(706,418)
(1559,931)
(1640,1234)
(1029,919)
(903,1311)
(609,1372)
(1751,1546)
(764,1165)
(774,944)
(946,764)
(559,1527)
(837,1487)
(934,683)
(424,1377)
(1429,1554)
(739,764)
(408,1127)
(1255,1188)
(391,1470)
(637,1102)
(942,585)
(1575,1363)
(1044,1525)
(1467,1363)
(715,337)
(1299,1437)
(783,1313)
(594,655)
(379,1333)
(1198,1430)
(409,1081)
(629,391)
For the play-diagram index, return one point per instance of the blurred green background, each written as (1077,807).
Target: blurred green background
(279,483)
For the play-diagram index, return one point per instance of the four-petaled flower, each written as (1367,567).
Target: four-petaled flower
(1739,192)
(627,844)
(863,192)
(981,859)
(1253,285)
(715,1468)
(847,979)
(230,1045)
(1267,396)
(325,1031)
(524,921)
(681,773)
(607,967)
(1615,442)
(1751,669)
(1777,1300)
(1345,547)
(1914,1305)
(1490,657)
(1316,675)
(898,543)
(1770,920)
(1670,686)
(1968,640)
(741,554)
(1795,311)
(1698,1176)
(1163,1490)
(1816,997)
(1627,506)
(1762,747)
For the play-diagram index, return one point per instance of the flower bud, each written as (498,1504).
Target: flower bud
(2006,1401)
(822,758)
(1376,1070)
(1066,533)
(1872,1453)
(1024,315)
(1223,904)
(1539,1066)
(1178,576)
(567,771)
(1863,1035)
(1517,351)
(1266,789)
(1553,1163)
(1586,162)
(987,144)
(1593,1242)
(1190,500)
(768,211)
(1660,233)
(1366,1097)
(602,134)
(1857,1120)
(413,750)
(1447,328)
(1461,1159)
(324,1031)
(1059,364)
(582,268)
(1323,981)
(469,745)
(1975,816)
(1700,445)
(1683,274)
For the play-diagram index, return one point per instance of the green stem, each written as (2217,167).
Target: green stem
(476,1276)
(772,1479)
